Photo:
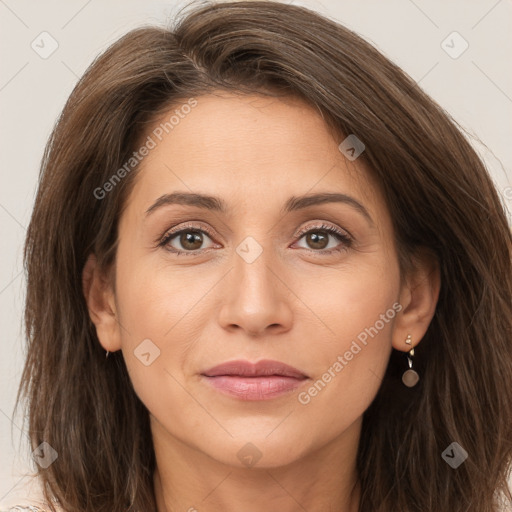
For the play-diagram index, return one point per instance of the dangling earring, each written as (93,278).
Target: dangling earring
(410,377)
(106,356)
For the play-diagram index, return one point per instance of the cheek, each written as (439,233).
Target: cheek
(156,339)
(155,298)
(353,343)
(346,301)
(162,314)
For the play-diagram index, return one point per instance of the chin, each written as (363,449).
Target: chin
(257,449)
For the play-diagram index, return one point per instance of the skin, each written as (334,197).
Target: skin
(295,303)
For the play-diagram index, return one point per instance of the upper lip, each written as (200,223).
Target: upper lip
(244,368)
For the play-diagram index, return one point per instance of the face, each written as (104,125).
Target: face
(313,284)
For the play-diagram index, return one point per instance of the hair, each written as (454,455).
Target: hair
(438,192)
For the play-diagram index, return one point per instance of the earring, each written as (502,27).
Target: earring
(106,356)
(410,377)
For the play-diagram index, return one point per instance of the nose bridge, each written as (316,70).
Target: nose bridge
(254,298)
(253,271)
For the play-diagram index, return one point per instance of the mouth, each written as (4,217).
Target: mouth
(263,380)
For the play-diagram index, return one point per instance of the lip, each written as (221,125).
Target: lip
(263,368)
(263,380)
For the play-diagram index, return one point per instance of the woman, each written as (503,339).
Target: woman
(298,269)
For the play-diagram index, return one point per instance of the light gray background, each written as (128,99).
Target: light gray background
(476,88)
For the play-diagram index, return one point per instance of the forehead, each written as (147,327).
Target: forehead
(248,148)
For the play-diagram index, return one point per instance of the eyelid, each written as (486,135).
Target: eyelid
(323,225)
(342,234)
(187,226)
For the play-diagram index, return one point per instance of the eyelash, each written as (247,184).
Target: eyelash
(340,235)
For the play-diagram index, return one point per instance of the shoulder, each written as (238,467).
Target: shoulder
(23,508)
(28,508)
(29,497)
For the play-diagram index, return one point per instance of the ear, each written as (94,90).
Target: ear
(418,296)
(100,299)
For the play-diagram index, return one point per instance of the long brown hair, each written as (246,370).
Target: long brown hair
(438,192)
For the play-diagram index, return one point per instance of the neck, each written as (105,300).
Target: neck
(187,480)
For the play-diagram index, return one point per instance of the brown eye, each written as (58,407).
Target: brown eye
(191,240)
(186,241)
(317,239)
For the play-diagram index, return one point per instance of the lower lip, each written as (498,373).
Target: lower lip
(254,388)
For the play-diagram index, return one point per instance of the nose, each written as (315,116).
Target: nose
(255,298)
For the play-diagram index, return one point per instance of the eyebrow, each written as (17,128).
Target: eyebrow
(294,203)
